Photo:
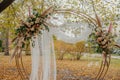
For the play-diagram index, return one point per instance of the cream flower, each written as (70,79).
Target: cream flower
(37,20)
(28,24)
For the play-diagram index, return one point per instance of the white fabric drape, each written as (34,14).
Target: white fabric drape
(63,32)
(43,58)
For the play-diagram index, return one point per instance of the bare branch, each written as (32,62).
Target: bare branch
(4,4)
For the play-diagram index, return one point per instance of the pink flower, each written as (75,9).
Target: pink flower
(110,28)
(29,10)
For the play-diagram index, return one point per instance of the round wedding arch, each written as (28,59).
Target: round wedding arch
(39,31)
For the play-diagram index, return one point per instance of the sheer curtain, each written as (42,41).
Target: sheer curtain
(43,57)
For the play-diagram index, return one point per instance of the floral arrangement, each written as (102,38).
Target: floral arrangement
(103,38)
(33,26)
(105,41)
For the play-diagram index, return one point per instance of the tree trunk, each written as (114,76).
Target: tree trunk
(4,4)
(61,56)
(7,43)
(27,49)
(78,56)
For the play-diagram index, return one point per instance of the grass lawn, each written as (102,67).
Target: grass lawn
(84,69)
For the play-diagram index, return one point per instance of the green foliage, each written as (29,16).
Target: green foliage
(0,49)
(92,42)
(54,37)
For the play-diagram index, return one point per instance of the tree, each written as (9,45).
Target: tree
(60,49)
(7,27)
(80,47)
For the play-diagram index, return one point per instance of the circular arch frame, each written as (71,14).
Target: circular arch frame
(102,72)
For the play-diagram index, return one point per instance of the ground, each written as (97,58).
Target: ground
(84,69)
